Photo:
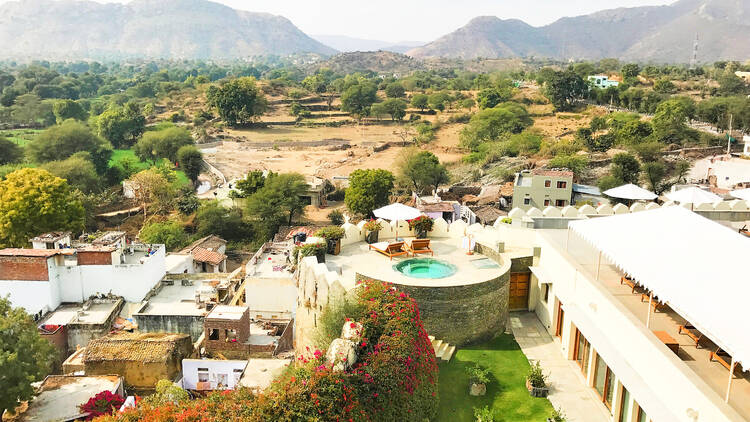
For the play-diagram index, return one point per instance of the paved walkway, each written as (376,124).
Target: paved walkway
(568,390)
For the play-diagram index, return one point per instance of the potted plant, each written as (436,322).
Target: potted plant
(536,381)
(372,229)
(483,414)
(478,379)
(421,226)
(312,249)
(333,236)
(557,416)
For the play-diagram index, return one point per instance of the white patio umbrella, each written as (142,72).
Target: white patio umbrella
(693,195)
(741,194)
(631,191)
(397,212)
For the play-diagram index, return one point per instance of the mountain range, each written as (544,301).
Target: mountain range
(651,33)
(175,29)
(201,29)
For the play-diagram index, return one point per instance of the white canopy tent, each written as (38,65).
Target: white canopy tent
(697,266)
(632,192)
(693,195)
(741,194)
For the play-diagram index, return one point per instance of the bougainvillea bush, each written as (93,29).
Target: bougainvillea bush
(104,403)
(394,378)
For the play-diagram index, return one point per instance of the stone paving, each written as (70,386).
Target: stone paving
(568,390)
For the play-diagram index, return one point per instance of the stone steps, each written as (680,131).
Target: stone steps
(443,350)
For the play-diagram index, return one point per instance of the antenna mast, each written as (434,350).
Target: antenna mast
(694,59)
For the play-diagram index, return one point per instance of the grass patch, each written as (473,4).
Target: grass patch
(120,155)
(506,397)
(20,137)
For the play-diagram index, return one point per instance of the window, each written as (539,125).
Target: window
(546,202)
(213,334)
(560,318)
(545,292)
(202,374)
(582,351)
(547,183)
(562,185)
(642,416)
(625,405)
(603,380)
(560,203)
(527,201)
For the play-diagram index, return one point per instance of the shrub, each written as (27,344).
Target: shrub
(169,233)
(536,376)
(330,233)
(557,416)
(483,414)
(372,226)
(104,403)
(477,374)
(423,223)
(336,217)
(308,249)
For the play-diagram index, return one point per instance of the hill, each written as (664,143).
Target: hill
(380,62)
(174,29)
(349,44)
(652,33)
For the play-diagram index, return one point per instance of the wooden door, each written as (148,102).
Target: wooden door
(560,319)
(519,291)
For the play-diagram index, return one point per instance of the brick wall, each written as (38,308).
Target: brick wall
(23,268)
(240,326)
(94,258)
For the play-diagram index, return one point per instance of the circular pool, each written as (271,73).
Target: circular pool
(425,268)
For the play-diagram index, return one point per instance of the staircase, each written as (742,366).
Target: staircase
(442,349)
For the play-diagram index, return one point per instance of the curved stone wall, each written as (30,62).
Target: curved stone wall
(463,314)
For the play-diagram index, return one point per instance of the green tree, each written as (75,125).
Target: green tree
(78,171)
(191,161)
(491,124)
(69,109)
(439,100)
(33,201)
(575,163)
(634,132)
(152,187)
(378,110)
(169,233)
(731,84)
(630,71)
(121,126)
(358,98)
(238,101)
(227,223)
(490,97)
(30,109)
(187,202)
(62,141)
(280,199)
(468,103)
(9,152)
(155,145)
(664,86)
(422,169)
(563,89)
(396,108)
(395,90)
(670,123)
(251,183)
(420,101)
(601,143)
(368,190)
(25,356)
(315,83)
(654,174)
(625,168)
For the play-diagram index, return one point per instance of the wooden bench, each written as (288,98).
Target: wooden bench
(691,332)
(723,358)
(654,304)
(629,282)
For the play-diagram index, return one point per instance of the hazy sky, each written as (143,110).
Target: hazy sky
(415,20)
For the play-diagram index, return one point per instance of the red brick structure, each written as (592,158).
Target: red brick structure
(95,256)
(227,330)
(25,264)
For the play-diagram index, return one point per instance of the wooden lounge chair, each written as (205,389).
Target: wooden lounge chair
(418,246)
(691,332)
(723,358)
(389,249)
(655,303)
(629,281)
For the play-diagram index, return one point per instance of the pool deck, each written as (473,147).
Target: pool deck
(357,258)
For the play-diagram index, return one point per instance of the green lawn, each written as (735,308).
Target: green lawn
(506,393)
(19,136)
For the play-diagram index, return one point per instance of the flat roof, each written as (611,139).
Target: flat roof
(227,312)
(97,313)
(50,237)
(60,396)
(30,253)
(174,300)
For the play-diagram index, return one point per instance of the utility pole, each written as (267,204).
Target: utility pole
(729,137)
(694,59)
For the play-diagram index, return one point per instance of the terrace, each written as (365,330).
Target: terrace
(693,359)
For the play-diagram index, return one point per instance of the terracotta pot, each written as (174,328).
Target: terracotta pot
(536,391)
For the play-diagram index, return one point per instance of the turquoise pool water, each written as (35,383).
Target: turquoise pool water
(425,268)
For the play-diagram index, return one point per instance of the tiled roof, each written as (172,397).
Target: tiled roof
(41,253)
(439,207)
(50,237)
(204,255)
(134,347)
(552,172)
(488,214)
(211,242)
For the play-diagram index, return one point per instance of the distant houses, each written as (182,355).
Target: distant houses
(602,81)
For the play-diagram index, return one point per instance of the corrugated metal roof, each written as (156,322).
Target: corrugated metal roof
(588,190)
